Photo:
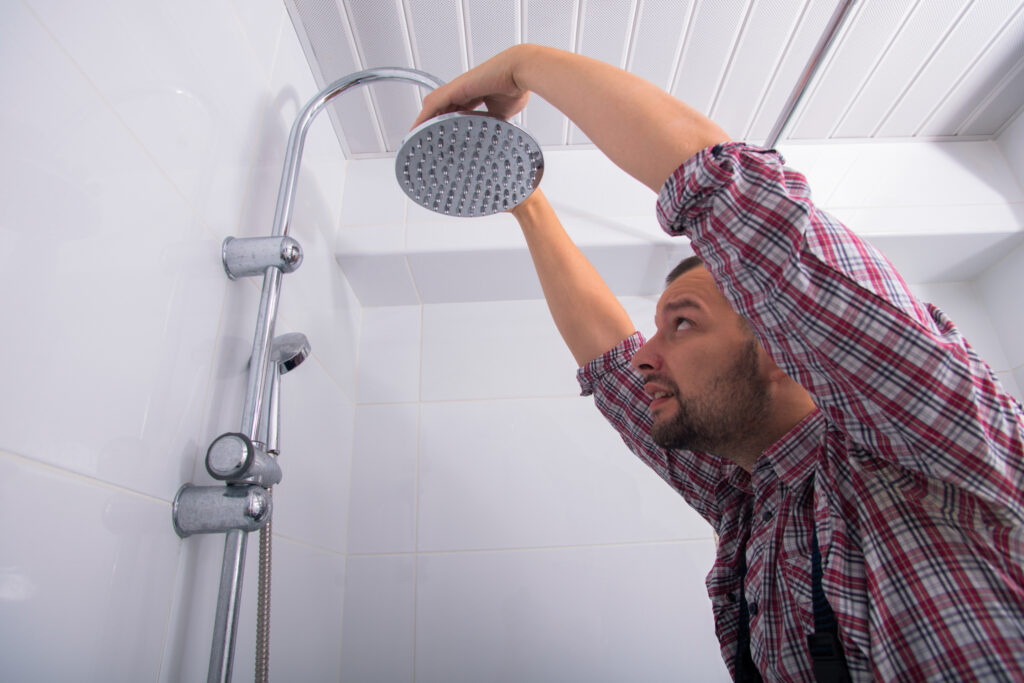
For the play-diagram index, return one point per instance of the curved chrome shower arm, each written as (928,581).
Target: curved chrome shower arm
(297,138)
(283,213)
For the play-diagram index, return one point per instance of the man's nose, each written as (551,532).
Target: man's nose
(646,359)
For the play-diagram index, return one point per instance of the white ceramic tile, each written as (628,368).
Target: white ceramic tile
(306,603)
(372,194)
(389,354)
(1009,382)
(945,258)
(588,182)
(933,221)
(999,289)
(382,512)
(537,472)
(493,350)
(378,631)
(909,174)
(114,318)
(490,275)
(262,22)
(637,613)
(381,279)
(317,424)
(1018,377)
(959,301)
(86,577)
(184,78)
(1011,143)
(825,166)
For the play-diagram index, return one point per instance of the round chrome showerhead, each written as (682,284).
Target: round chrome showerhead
(468,164)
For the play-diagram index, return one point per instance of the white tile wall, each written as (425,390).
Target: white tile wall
(86,577)
(136,137)
(379,623)
(636,613)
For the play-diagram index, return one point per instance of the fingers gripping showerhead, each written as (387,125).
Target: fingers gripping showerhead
(468,164)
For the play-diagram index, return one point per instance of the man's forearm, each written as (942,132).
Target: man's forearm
(588,316)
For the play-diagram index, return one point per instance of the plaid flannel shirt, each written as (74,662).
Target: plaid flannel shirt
(911,471)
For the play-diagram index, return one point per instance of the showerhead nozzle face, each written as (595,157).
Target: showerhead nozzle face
(289,350)
(468,164)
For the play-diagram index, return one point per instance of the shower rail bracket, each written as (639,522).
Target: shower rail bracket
(248,256)
(218,509)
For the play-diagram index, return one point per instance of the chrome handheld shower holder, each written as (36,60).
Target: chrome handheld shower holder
(246,460)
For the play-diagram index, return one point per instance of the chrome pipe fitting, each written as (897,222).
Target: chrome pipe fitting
(247,256)
(235,458)
(216,509)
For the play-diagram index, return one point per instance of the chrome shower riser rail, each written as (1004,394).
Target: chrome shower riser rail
(225,627)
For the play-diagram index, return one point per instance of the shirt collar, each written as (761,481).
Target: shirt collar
(794,455)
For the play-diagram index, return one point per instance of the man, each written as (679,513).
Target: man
(861,465)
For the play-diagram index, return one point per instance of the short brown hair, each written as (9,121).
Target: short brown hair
(687,264)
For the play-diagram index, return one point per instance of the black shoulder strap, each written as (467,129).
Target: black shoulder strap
(827,656)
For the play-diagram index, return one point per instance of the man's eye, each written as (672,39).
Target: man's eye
(683,324)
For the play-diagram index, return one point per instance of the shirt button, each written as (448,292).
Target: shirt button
(731,597)
(767,516)
(752,608)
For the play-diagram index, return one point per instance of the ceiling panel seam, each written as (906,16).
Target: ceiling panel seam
(680,47)
(577,43)
(783,56)
(970,67)
(378,127)
(928,60)
(874,68)
(409,37)
(811,89)
(466,31)
(988,99)
(629,48)
(737,39)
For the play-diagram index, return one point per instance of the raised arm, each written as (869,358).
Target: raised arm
(587,314)
(643,129)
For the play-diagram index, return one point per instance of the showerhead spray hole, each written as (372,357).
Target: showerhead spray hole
(451,164)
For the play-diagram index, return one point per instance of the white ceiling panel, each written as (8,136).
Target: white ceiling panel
(491,25)
(386,42)
(798,51)
(868,34)
(438,37)
(752,64)
(605,29)
(981,81)
(553,24)
(709,45)
(925,69)
(657,43)
(1000,109)
(948,66)
(903,59)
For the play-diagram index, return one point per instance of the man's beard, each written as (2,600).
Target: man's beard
(732,409)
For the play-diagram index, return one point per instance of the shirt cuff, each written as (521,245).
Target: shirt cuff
(687,192)
(614,359)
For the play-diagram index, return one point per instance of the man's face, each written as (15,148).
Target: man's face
(704,370)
